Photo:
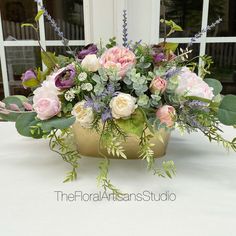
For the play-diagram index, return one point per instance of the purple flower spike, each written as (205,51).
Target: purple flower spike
(106,115)
(65,77)
(87,50)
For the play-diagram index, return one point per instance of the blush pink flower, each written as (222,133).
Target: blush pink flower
(46,102)
(189,84)
(118,58)
(158,85)
(47,107)
(166,114)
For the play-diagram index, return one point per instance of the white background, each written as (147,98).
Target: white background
(205,187)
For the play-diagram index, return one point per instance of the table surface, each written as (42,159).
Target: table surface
(205,190)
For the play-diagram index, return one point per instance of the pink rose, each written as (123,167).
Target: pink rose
(158,85)
(46,102)
(47,107)
(166,115)
(119,58)
(189,84)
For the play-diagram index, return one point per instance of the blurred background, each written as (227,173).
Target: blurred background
(83,21)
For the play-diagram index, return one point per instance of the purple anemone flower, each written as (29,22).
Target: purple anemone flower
(89,49)
(65,77)
(158,57)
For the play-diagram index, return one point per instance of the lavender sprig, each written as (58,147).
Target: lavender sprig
(199,34)
(53,23)
(125,29)
(172,72)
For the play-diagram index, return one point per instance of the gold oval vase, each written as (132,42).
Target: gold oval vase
(87,141)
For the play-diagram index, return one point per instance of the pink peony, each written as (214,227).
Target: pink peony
(119,58)
(158,85)
(45,101)
(189,84)
(47,107)
(166,115)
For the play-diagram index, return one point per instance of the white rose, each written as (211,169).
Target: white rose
(84,115)
(91,63)
(123,105)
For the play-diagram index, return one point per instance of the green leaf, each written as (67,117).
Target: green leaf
(172,24)
(31,83)
(49,59)
(40,13)
(12,116)
(215,84)
(133,125)
(171,46)
(57,123)
(227,110)
(27,25)
(199,99)
(24,123)
(16,99)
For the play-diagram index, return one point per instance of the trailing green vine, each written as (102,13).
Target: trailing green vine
(59,142)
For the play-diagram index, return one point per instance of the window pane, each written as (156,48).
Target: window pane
(193,57)
(1,84)
(226,9)
(14,13)
(59,50)
(224,67)
(186,13)
(69,16)
(195,50)
(19,59)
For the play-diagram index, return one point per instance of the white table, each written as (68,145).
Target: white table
(205,187)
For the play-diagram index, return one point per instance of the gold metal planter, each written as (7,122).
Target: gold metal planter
(88,143)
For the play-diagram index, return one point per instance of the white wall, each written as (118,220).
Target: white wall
(106,19)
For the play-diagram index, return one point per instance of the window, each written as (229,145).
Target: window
(83,22)
(19,47)
(220,42)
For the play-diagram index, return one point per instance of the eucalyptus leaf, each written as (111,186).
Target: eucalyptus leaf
(57,123)
(215,84)
(12,116)
(16,99)
(24,124)
(227,110)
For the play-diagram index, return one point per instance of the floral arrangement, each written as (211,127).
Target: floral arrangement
(120,90)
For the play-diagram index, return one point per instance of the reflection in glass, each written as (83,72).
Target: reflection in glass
(20,59)
(186,13)
(226,9)
(69,16)
(14,13)
(224,67)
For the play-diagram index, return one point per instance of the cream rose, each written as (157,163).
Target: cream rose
(91,63)
(84,115)
(122,106)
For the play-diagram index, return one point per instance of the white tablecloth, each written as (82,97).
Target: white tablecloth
(205,189)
